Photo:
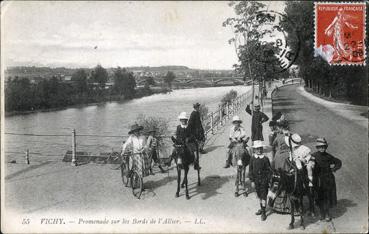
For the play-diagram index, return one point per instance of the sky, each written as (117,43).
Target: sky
(86,33)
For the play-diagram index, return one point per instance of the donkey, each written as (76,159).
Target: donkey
(292,183)
(183,158)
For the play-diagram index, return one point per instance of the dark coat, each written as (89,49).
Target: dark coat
(258,118)
(195,126)
(324,180)
(259,173)
(184,137)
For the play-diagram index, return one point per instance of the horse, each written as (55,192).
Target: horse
(183,158)
(292,183)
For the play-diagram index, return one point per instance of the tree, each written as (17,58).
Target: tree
(124,83)
(18,95)
(169,77)
(100,75)
(80,77)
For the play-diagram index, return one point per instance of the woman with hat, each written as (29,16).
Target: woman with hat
(259,174)
(237,135)
(136,142)
(183,135)
(152,147)
(324,180)
(279,147)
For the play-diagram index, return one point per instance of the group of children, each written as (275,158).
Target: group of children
(319,165)
(285,146)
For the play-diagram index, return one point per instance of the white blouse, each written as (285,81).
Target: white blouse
(137,144)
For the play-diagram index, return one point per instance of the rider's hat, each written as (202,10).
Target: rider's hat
(258,144)
(182,115)
(236,118)
(294,138)
(134,128)
(321,141)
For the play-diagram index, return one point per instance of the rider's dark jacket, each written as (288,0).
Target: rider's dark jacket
(195,126)
(258,118)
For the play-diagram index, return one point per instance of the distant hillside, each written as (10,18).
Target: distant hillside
(48,72)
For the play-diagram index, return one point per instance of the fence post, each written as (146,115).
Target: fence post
(227,113)
(212,123)
(74,161)
(220,116)
(27,156)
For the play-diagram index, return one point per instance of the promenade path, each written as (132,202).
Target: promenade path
(93,191)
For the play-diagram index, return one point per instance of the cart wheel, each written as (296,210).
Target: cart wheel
(136,184)
(125,174)
(114,161)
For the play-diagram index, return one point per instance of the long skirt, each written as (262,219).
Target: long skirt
(142,163)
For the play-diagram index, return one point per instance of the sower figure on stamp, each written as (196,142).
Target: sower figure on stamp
(258,118)
(195,128)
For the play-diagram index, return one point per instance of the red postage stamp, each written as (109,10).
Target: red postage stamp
(340,33)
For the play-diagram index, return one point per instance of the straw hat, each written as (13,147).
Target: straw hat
(134,128)
(321,141)
(295,140)
(258,144)
(236,118)
(182,115)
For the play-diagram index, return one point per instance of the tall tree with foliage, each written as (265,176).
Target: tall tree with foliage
(124,83)
(80,78)
(99,75)
(246,37)
(169,77)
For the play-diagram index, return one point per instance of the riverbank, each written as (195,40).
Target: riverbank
(108,99)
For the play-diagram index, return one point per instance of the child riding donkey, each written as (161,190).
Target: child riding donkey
(237,154)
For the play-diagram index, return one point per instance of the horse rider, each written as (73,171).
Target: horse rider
(324,180)
(258,118)
(259,174)
(136,143)
(237,136)
(196,129)
(152,148)
(184,136)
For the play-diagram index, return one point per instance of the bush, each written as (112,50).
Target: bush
(149,122)
(229,97)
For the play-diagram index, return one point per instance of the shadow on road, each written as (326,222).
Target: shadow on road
(341,207)
(212,148)
(30,168)
(209,186)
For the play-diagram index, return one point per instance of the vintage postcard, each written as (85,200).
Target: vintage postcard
(184,117)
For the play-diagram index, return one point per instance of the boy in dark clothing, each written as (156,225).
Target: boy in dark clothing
(259,173)
(258,118)
(324,181)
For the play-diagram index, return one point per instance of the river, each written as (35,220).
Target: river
(112,118)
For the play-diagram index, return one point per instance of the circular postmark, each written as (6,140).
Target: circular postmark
(274,48)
